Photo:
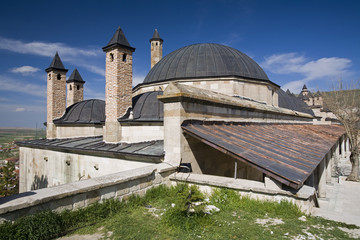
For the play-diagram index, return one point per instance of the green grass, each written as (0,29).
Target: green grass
(134,219)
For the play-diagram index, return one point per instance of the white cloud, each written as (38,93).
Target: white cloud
(137,79)
(293,63)
(19,109)
(25,70)
(77,56)
(13,85)
(44,48)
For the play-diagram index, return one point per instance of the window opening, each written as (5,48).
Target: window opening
(124,57)
(58,76)
(78,87)
(111,57)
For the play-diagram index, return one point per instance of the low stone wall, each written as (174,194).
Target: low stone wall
(305,197)
(83,193)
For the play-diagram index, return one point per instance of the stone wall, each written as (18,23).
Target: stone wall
(56,99)
(83,193)
(68,131)
(305,197)
(260,91)
(142,133)
(75,93)
(118,90)
(156,51)
(42,168)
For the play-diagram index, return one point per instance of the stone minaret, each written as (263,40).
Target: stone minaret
(56,94)
(156,48)
(75,88)
(118,87)
(304,90)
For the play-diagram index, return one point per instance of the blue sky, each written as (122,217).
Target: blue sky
(296,42)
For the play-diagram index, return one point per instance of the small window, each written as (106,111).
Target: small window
(58,76)
(49,76)
(111,57)
(156,44)
(70,88)
(78,87)
(152,44)
(124,57)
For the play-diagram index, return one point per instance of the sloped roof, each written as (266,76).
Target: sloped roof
(118,39)
(75,77)
(152,151)
(156,36)
(56,64)
(289,101)
(287,152)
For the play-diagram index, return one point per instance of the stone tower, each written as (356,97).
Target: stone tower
(304,91)
(156,48)
(75,88)
(56,94)
(118,87)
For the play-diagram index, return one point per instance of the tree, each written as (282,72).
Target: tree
(9,183)
(345,104)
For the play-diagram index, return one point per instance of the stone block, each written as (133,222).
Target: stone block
(92,197)
(79,201)
(122,189)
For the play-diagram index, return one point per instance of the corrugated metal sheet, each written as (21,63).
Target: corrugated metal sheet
(286,152)
(91,145)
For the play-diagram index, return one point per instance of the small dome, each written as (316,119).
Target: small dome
(85,112)
(146,108)
(205,60)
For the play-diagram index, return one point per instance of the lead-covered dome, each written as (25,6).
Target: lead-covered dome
(85,112)
(205,60)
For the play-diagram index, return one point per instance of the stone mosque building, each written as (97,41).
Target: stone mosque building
(206,108)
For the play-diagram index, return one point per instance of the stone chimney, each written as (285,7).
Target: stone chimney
(118,87)
(56,94)
(156,44)
(75,88)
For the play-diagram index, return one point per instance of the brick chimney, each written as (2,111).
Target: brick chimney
(156,46)
(56,94)
(118,87)
(75,88)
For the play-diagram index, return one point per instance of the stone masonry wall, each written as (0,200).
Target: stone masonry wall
(156,52)
(118,90)
(83,193)
(74,94)
(56,99)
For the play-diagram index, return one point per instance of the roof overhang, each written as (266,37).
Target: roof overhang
(288,153)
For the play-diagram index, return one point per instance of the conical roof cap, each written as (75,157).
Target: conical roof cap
(156,36)
(75,77)
(118,39)
(56,64)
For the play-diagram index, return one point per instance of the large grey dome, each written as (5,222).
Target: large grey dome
(205,60)
(85,112)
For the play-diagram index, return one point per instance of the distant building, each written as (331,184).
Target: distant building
(315,102)
(205,107)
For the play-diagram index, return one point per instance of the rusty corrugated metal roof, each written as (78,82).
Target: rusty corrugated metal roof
(287,152)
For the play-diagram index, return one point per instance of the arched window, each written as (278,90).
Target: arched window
(124,57)
(111,57)
(70,88)
(78,87)
(58,76)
